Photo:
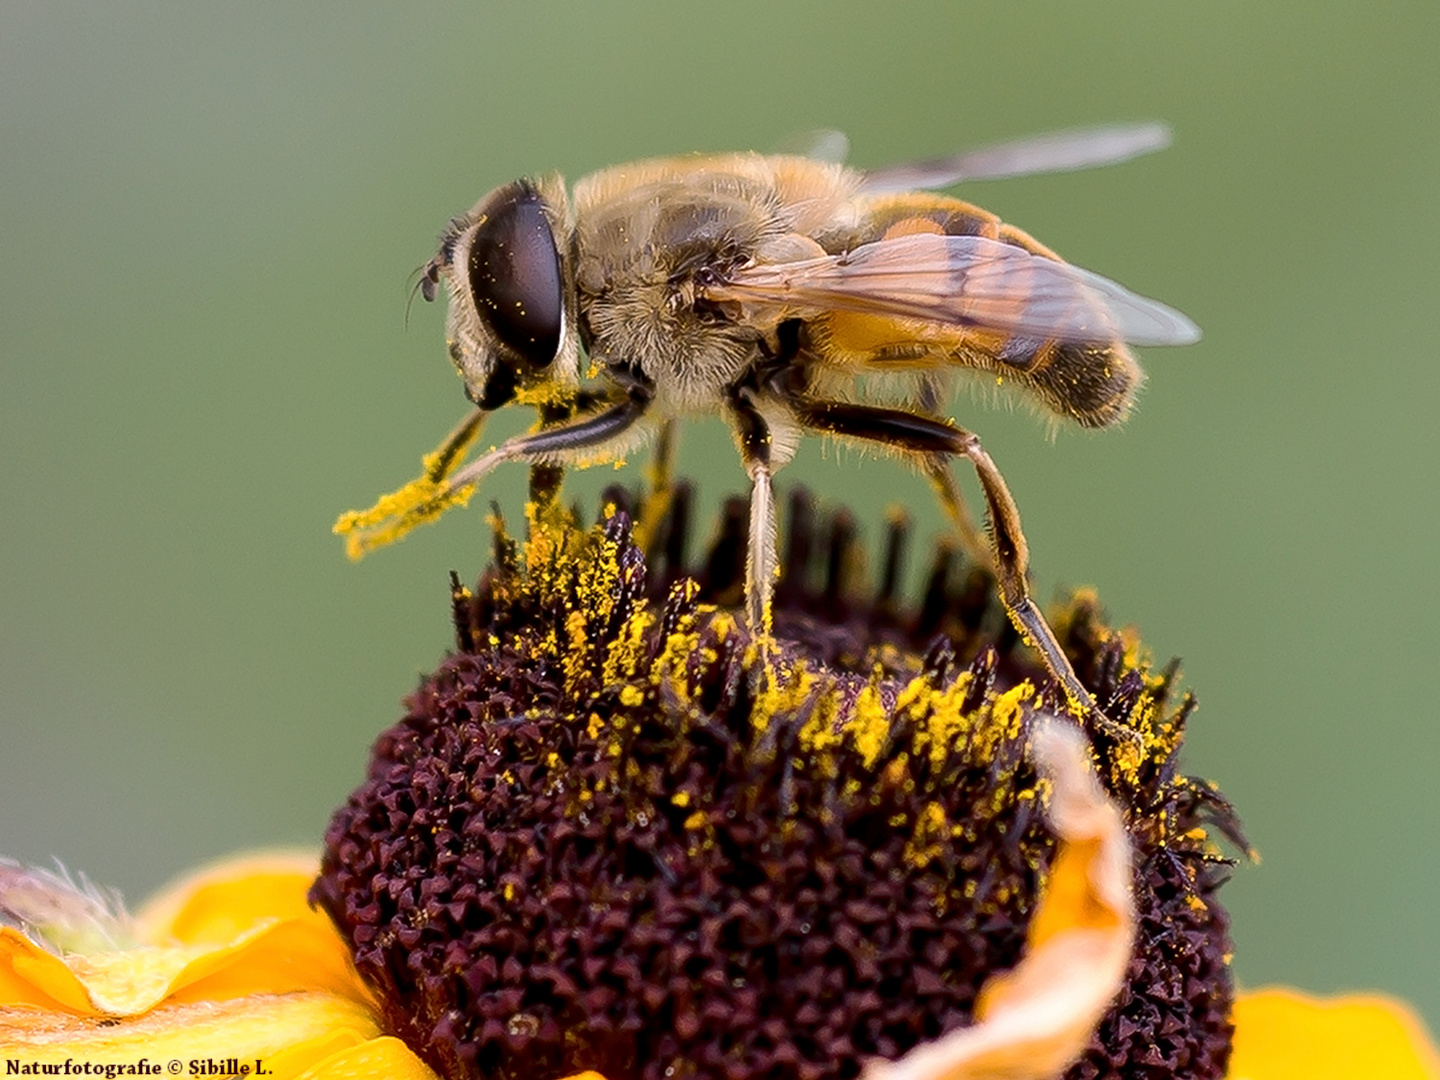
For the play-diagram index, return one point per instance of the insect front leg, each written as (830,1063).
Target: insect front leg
(546,477)
(607,431)
(936,440)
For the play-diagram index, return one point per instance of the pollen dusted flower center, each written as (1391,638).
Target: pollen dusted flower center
(615,832)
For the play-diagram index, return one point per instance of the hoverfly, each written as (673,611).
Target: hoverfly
(770,289)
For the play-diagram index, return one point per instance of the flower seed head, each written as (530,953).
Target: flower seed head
(614,831)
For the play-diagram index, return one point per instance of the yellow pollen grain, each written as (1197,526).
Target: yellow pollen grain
(697,820)
(1002,726)
(896,774)
(784,692)
(681,799)
(578,653)
(548,392)
(632,696)
(627,652)
(926,843)
(869,726)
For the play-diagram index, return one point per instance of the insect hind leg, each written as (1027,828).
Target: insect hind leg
(935,441)
(952,500)
(936,468)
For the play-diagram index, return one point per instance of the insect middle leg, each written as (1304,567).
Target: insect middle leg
(934,440)
(762,559)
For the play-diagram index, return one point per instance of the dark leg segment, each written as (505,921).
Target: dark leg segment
(548,444)
(579,434)
(947,490)
(934,439)
(545,477)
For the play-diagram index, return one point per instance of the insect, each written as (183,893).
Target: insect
(773,290)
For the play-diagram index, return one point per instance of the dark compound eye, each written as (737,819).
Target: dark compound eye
(515,275)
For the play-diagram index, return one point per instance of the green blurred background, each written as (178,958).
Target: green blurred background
(209,213)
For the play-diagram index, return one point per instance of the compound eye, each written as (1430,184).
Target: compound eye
(515,275)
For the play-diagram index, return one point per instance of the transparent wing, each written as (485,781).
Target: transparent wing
(822,144)
(963,281)
(1058,151)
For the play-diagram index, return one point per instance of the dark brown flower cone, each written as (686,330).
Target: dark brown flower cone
(613,832)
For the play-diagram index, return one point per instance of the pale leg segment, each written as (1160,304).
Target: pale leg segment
(762,556)
(762,559)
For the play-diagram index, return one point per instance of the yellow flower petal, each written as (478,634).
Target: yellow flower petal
(1286,1035)
(286,956)
(240,927)
(223,899)
(385,1058)
(260,1026)
(303,1058)
(31,976)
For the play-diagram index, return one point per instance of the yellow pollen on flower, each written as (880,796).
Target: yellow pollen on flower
(927,842)
(869,726)
(783,691)
(577,656)
(1006,717)
(946,723)
(626,654)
